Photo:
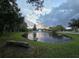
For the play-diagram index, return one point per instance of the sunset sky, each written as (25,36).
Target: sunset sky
(55,12)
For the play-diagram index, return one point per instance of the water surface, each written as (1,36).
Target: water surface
(47,37)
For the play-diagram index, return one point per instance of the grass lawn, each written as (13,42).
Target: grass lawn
(39,49)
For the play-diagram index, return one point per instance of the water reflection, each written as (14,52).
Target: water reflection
(34,36)
(47,37)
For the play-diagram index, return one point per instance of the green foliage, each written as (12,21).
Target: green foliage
(10,18)
(57,28)
(37,3)
(74,24)
(40,49)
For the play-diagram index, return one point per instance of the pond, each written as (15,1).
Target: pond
(47,37)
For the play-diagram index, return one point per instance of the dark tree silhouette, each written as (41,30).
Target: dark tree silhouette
(10,17)
(34,28)
(74,24)
(37,3)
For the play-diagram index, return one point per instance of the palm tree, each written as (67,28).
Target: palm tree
(74,24)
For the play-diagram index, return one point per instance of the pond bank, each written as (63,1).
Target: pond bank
(39,49)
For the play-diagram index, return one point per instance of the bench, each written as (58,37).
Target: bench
(18,43)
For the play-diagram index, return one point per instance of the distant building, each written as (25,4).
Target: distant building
(68,28)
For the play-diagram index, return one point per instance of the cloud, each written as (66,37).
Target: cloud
(55,11)
(34,15)
(43,11)
(62,14)
(32,18)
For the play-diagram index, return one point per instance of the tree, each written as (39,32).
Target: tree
(37,3)
(60,28)
(10,17)
(34,28)
(74,24)
(57,28)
